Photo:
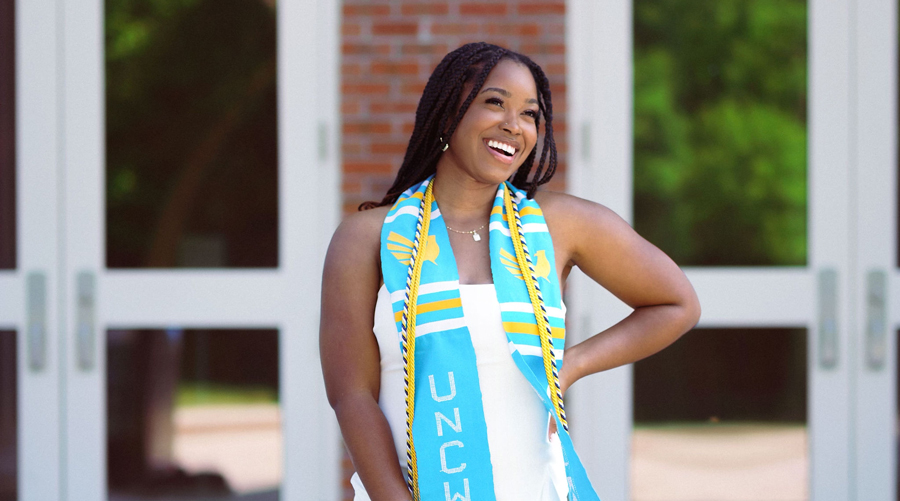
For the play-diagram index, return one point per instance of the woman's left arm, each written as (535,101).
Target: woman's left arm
(609,251)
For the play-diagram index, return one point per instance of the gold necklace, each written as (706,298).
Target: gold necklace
(475,236)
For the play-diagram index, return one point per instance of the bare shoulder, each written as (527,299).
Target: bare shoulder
(563,205)
(356,242)
(572,220)
(363,226)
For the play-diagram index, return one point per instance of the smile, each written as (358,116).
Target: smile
(504,152)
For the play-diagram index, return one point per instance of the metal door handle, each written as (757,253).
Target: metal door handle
(84,316)
(876,319)
(828,323)
(36,318)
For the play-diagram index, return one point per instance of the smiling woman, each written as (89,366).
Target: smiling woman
(421,320)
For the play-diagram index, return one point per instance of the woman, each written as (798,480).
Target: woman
(456,274)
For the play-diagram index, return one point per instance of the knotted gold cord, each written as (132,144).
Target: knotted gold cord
(537,302)
(408,320)
(408,333)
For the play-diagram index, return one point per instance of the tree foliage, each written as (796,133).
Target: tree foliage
(720,130)
(191,130)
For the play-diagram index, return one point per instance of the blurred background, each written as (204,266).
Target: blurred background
(171,172)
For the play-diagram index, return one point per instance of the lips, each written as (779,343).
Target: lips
(503,151)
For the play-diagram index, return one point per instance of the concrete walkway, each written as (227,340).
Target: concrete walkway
(720,462)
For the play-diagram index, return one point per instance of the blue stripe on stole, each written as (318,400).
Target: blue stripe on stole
(438,296)
(449,431)
(532,340)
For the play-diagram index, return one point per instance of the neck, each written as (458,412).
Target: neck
(462,198)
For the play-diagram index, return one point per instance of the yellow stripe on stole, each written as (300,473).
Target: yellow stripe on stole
(401,248)
(523,211)
(529,328)
(400,239)
(444,304)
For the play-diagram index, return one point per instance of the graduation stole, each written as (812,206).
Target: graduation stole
(447,452)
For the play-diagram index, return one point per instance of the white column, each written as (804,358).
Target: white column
(83,243)
(309,184)
(874,73)
(830,216)
(38,164)
(599,62)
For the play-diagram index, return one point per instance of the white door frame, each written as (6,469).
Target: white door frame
(61,218)
(599,60)
(38,161)
(874,138)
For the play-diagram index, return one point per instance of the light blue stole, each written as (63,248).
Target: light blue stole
(451,452)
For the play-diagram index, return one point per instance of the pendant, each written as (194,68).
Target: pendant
(476,236)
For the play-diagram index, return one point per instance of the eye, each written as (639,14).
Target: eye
(532,113)
(494,100)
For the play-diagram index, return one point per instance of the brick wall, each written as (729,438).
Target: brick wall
(388,50)
(390,47)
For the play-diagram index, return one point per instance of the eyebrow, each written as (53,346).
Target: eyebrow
(505,93)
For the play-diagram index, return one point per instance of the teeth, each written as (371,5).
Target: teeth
(503,146)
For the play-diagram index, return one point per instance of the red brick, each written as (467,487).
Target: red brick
(350,208)
(365,49)
(383,68)
(455,28)
(351,69)
(368,167)
(349,108)
(350,29)
(482,9)
(542,8)
(365,127)
(514,29)
(428,49)
(391,148)
(533,49)
(351,187)
(414,88)
(366,10)
(393,107)
(395,28)
(365,88)
(424,9)
(555,69)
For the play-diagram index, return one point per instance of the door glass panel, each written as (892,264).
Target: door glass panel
(721,414)
(193,413)
(7,136)
(191,136)
(720,97)
(8,410)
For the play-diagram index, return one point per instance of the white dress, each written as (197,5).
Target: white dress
(526,465)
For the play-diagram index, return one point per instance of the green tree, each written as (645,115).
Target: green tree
(720,130)
(191,129)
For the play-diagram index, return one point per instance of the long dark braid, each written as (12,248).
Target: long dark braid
(469,63)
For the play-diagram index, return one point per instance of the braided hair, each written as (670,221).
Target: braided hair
(434,124)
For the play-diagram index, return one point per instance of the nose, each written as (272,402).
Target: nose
(511,125)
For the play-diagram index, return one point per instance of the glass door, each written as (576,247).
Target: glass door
(724,133)
(177,183)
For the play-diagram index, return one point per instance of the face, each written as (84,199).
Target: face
(499,129)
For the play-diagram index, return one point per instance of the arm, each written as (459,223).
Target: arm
(610,252)
(350,356)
